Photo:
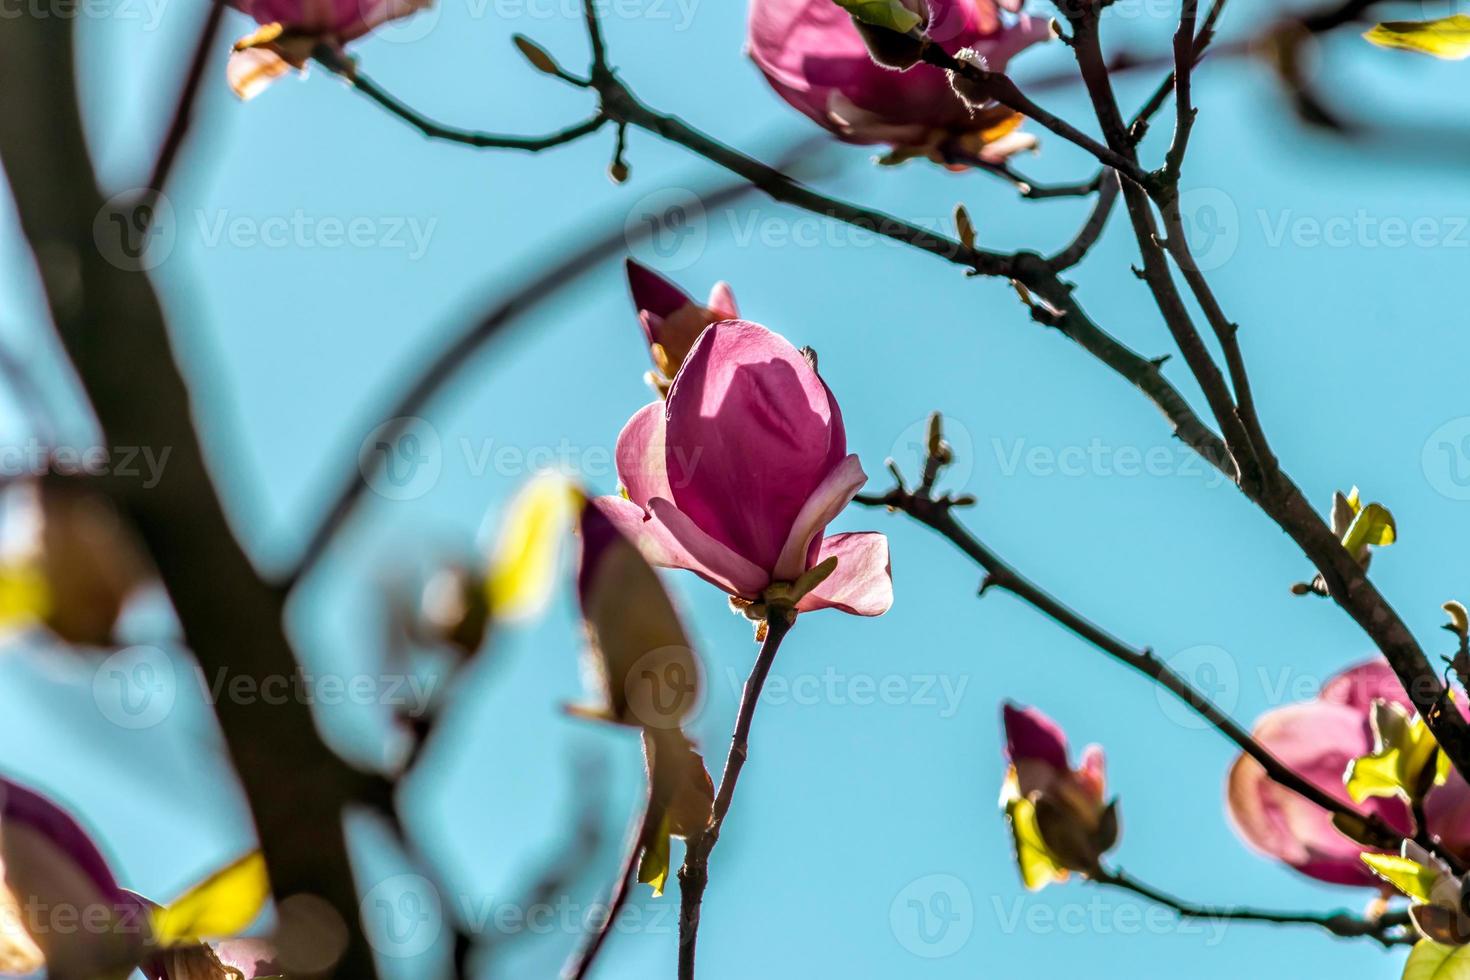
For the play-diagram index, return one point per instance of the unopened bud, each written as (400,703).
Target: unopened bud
(973,87)
(890,49)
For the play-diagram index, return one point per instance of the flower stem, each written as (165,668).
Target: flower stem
(694,875)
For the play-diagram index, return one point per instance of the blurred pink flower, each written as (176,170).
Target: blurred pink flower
(737,475)
(815,58)
(1319,739)
(51,867)
(672,320)
(291,28)
(1073,822)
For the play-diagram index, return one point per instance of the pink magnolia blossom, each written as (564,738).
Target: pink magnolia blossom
(737,475)
(1318,739)
(48,864)
(1074,824)
(814,57)
(672,320)
(291,28)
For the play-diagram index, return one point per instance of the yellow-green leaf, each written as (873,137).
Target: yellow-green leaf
(1033,858)
(891,14)
(653,868)
(1402,747)
(1372,525)
(1408,876)
(1431,961)
(25,596)
(1447,37)
(223,905)
(523,565)
(1459,616)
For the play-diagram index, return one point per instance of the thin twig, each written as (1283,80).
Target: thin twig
(1005,91)
(581,962)
(694,875)
(178,129)
(1093,229)
(1388,928)
(937,513)
(329,58)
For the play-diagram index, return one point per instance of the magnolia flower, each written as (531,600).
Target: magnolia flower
(1059,820)
(737,475)
(1328,740)
(672,320)
(68,561)
(290,29)
(816,59)
(646,676)
(62,909)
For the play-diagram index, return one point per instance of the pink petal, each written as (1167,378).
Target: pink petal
(249,72)
(862,583)
(707,557)
(722,301)
(640,455)
(1317,739)
(1359,686)
(654,293)
(1447,812)
(810,51)
(826,502)
(1092,773)
(689,549)
(752,432)
(1032,735)
(50,863)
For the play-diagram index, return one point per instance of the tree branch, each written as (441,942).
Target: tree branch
(937,513)
(114,331)
(694,875)
(1388,928)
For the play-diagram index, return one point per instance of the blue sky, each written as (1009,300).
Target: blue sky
(853,805)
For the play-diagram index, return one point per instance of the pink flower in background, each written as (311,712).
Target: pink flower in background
(737,475)
(1060,818)
(1319,739)
(291,28)
(672,320)
(50,863)
(813,55)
